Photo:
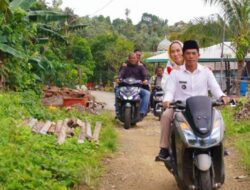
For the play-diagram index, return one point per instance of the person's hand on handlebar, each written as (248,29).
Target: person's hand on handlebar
(117,80)
(145,82)
(166,104)
(226,99)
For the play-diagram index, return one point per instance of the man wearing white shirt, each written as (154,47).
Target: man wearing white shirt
(192,79)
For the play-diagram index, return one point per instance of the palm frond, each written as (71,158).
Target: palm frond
(42,40)
(52,34)
(46,16)
(23,4)
(4,5)
(77,27)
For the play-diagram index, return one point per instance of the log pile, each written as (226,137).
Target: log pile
(64,129)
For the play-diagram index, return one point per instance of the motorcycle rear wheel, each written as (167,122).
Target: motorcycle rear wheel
(127,118)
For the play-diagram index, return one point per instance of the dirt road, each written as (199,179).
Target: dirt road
(133,167)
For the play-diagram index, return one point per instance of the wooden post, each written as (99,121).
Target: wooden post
(62,135)
(59,125)
(97,130)
(88,130)
(83,131)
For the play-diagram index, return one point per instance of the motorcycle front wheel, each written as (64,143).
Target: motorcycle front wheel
(205,181)
(127,118)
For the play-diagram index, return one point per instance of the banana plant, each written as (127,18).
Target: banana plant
(23,4)
(8,49)
(8,8)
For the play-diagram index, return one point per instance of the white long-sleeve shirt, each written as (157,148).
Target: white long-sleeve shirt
(183,84)
(165,75)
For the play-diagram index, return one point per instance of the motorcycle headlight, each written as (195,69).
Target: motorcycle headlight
(130,97)
(187,131)
(129,93)
(193,140)
(123,95)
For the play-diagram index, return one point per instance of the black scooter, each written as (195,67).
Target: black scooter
(157,98)
(197,153)
(129,101)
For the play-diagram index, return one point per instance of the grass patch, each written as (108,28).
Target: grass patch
(233,126)
(32,161)
(239,131)
(243,144)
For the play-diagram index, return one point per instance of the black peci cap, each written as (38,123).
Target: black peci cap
(190,44)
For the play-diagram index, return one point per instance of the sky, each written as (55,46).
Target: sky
(172,10)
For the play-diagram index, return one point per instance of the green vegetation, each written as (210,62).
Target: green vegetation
(32,161)
(39,43)
(237,15)
(238,131)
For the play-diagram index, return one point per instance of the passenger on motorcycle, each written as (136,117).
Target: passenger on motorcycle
(155,81)
(138,54)
(192,79)
(175,61)
(133,70)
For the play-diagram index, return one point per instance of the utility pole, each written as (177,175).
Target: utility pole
(222,49)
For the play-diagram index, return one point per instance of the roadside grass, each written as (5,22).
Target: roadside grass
(238,131)
(32,161)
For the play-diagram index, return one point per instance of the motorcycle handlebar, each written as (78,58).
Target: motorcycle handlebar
(217,103)
(181,105)
(221,103)
(178,105)
(123,82)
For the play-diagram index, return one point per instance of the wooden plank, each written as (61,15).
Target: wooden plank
(37,127)
(52,128)
(80,123)
(82,133)
(59,125)
(45,128)
(97,130)
(31,122)
(62,135)
(88,130)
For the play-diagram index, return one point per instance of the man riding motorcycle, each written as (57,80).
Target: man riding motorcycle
(192,79)
(133,70)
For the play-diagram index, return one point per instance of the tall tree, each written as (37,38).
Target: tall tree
(237,14)
(207,31)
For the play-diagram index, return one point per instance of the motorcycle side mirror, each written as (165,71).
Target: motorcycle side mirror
(233,103)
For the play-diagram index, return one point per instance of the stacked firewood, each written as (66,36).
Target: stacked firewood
(65,128)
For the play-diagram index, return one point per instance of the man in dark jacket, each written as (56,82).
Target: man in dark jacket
(139,73)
